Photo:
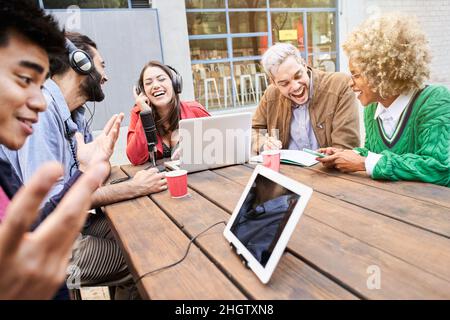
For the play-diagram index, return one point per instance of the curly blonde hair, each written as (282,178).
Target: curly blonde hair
(392,53)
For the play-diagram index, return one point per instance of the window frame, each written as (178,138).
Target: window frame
(230,36)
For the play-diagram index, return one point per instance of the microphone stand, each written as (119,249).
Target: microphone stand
(152,153)
(148,125)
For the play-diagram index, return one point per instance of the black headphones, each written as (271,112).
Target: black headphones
(82,63)
(177,81)
(79,60)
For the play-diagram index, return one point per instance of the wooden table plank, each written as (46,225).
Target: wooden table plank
(416,212)
(150,240)
(239,174)
(399,273)
(424,191)
(116,173)
(131,170)
(419,247)
(195,214)
(431,193)
(350,260)
(311,284)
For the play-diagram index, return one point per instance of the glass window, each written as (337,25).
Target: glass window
(242,82)
(323,61)
(289,27)
(246,22)
(206,23)
(247,4)
(208,49)
(302,3)
(63,4)
(321,32)
(251,81)
(249,46)
(213,85)
(205,4)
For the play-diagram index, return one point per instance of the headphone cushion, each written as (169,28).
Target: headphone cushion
(177,83)
(81,62)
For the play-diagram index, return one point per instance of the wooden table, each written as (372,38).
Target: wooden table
(357,239)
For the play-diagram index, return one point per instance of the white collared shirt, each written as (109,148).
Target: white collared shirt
(389,120)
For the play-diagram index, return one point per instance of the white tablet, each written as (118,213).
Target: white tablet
(264,219)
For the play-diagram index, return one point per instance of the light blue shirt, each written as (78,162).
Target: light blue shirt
(302,133)
(51,138)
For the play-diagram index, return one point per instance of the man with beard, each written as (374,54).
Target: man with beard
(62,134)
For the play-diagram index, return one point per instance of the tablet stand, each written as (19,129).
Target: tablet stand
(244,261)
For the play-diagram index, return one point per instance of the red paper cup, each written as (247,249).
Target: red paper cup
(271,159)
(177,183)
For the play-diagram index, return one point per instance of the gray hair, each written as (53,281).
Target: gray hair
(277,54)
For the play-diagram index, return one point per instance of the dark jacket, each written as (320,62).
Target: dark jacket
(333,111)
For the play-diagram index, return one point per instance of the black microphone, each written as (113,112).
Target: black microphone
(148,123)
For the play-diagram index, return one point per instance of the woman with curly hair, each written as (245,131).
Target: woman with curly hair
(407,122)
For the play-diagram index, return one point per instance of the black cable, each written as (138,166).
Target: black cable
(185,255)
(72,149)
(88,127)
(91,118)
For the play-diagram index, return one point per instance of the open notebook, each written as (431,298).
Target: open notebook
(296,157)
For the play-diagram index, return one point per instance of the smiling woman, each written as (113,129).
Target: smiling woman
(407,122)
(391,54)
(159,87)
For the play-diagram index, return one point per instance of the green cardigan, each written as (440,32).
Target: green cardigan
(420,147)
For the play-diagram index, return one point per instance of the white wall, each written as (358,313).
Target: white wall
(111,30)
(175,42)
(433,15)
(351,14)
(176,53)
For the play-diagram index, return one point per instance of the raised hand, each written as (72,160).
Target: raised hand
(102,148)
(33,264)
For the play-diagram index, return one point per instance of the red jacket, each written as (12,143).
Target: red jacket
(137,151)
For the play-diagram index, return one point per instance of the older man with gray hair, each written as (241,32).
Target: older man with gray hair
(309,108)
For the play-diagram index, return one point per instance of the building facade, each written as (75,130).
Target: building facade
(217,44)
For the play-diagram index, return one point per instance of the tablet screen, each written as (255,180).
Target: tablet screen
(263,216)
